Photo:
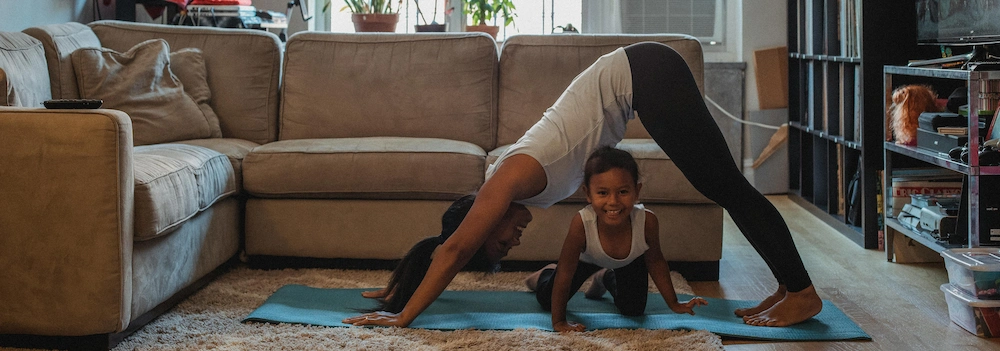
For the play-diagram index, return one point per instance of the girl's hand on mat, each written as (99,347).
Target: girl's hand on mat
(568,326)
(688,306)
(380,318)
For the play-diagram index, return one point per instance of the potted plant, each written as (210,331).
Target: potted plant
(434,26)
(373,15)
(483,10)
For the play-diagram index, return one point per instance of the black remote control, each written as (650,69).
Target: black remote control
(73,103)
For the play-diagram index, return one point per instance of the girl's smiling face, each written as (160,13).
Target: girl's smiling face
(612,194)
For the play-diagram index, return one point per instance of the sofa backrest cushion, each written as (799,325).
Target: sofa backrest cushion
(24,77)
(535,69)
(59,41)
(390,85)
(139,82)
(243,65)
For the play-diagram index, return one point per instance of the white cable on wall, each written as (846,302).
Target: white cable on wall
(737,119)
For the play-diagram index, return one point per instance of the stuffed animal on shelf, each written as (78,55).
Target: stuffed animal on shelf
(908,102)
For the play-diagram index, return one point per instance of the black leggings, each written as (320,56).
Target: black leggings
(670,106)
(628,285)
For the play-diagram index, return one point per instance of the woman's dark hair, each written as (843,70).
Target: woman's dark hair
(606,158)
(411,269)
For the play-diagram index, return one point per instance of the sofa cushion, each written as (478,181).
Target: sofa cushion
(535,69)
(24,77)
(189,67)
(365,168)
(235,149)
(140,83)
(244,68)
(404,85)
(173,182)
(668,186)
(60,40)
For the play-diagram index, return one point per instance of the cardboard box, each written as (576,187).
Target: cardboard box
(907,250)
(771,67)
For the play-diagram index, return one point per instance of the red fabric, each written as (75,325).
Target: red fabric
(155,11)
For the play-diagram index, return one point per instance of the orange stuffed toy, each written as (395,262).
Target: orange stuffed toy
(908,102)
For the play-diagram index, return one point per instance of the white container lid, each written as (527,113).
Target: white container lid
(977,258)
(967,298)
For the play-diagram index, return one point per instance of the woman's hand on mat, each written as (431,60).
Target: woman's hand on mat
(380,318)
(688,306)
(568,326)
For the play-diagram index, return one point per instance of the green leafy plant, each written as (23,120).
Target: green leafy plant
(483,10)
(370,6)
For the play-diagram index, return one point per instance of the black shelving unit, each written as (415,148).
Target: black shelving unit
(837,49)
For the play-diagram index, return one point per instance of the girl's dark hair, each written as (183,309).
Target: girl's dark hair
(411,269)
(606,158)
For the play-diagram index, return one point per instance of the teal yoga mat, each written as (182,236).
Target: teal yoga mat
(508,310)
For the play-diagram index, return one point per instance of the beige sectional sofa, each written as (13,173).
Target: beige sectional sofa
(374,135)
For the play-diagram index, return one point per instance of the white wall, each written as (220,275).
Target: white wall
(764,26)
(16,15)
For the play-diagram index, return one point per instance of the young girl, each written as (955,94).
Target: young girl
(613,232)
(652,82)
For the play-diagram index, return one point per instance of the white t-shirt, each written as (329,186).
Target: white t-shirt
(592,112)
(595,253)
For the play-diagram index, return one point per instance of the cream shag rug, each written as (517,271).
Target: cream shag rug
(210,319)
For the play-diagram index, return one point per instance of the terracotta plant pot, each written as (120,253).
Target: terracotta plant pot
(429,28)
(491,30)
(375,22)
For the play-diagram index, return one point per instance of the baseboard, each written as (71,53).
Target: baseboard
(692,271)
(110,340)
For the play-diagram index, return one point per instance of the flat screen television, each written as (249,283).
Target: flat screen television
(973,23)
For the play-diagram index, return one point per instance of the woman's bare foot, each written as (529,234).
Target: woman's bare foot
(597,289)
(794,308)
(531,281)
(767,303)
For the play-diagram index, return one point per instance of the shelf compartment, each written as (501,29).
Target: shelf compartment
(825,135)
(929,157)
(921,238)
(941,160)
(957,74)
(829,58)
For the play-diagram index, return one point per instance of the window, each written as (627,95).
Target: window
(704,19)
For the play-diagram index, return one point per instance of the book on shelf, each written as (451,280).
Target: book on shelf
(858,108)
(811,95)
(831,28)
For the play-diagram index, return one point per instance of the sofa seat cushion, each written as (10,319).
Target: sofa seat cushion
(661,181)
(393,168)
(173,182)
(235,149)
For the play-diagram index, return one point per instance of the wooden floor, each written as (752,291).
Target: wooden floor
(900,305)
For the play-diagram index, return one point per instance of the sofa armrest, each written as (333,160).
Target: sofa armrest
(66,197)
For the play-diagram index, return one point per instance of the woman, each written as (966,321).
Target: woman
(651,81)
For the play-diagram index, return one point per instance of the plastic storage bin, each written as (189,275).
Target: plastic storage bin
(975,270)
(980,317)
